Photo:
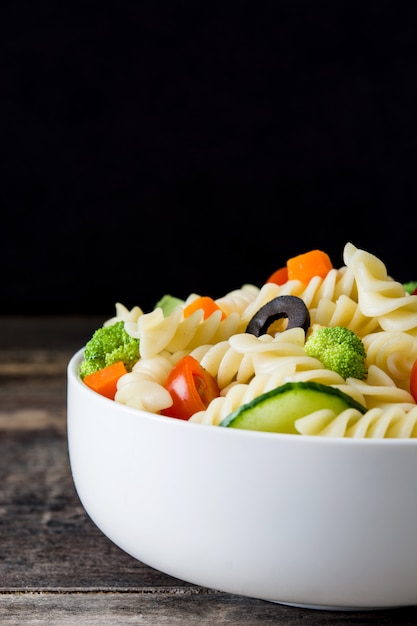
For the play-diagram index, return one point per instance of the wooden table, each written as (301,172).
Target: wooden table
(56,567)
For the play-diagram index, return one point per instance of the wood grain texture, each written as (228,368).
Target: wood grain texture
(55,565)
(176,608)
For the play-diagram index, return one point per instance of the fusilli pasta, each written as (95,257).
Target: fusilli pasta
(142,388)
(379,295)
(376,423)
(359,296)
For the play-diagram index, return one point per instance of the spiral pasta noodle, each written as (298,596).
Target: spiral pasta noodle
(243,356)
(393,352)
(175,332)
(379,295)
(238,394)
(380,390)
(238,300)
(124,315)
(225,363)
(142,388)
(377,423)
(343,312)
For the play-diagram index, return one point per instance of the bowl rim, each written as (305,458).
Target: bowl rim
(122,409)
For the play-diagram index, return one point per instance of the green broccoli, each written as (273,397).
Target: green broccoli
(339,349)
(410,286)
(108,345)
(168,303)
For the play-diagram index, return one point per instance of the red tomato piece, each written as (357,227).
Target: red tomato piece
(279,277)
(192,388)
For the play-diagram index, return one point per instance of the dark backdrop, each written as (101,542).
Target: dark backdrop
(177,147)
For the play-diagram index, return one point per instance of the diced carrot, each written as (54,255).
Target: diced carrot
(104,381)
(304,266)
(279,277)
(207,304)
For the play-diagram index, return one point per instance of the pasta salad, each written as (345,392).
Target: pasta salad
(359,296)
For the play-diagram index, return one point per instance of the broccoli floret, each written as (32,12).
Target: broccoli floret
(340,350)
(108,345)
(410,286)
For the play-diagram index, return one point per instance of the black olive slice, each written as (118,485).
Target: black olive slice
(280,307)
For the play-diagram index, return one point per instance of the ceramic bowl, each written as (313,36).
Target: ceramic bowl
(326,523)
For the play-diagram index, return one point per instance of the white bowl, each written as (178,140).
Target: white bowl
(309,521)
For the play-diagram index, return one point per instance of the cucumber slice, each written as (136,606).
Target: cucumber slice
(276,410)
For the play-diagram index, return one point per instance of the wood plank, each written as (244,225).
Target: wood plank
(177,607)
(66,333)
(34,355)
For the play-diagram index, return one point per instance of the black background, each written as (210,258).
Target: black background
(178,147)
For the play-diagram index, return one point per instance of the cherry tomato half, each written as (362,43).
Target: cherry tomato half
(279,277)
(413,381)
(192,388)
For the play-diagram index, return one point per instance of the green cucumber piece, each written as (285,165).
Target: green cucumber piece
(276,410)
